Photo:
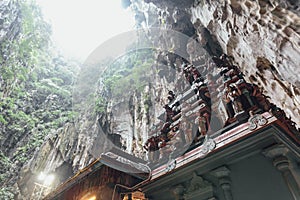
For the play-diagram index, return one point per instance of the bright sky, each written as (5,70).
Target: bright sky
(80,26)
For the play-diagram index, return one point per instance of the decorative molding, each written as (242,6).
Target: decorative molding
(199,188)
(178,191)
(223,174)
(208,145)
(275,151)
(279,155)
(197,182)
(257,120)
(171,165)
(126,163)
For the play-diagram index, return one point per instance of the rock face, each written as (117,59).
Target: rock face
(262,37)
(10,20)
(10,26)
(35,99)
(134,116)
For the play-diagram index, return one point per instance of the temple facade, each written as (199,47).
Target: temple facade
(241,163)
(237,145)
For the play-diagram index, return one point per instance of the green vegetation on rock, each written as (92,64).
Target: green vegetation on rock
(129,73)
(35,91)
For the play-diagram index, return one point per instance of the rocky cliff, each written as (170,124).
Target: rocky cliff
(35,91)
(262,37)
(42,129)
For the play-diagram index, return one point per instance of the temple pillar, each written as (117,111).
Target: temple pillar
(283,163)
(223,174)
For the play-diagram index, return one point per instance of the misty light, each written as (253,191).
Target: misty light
(79,26)
(46,179)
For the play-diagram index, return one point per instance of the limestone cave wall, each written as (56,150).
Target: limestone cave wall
(261,36)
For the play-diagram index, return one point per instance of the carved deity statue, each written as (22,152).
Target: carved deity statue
(234,95)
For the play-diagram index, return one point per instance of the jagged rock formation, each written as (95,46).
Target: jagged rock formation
(130,115)
(261,36)
(10,23)
(35,93)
